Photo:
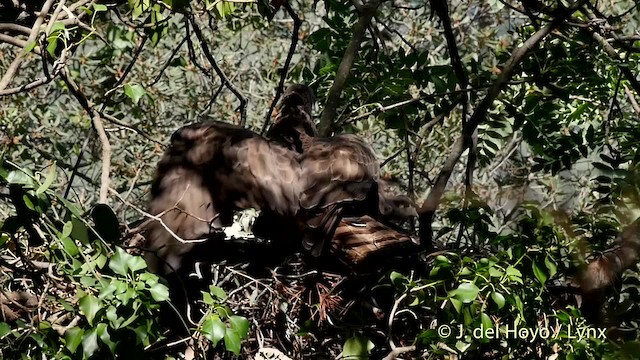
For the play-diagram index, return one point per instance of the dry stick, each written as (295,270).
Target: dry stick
(100,129)
(221,75)
(632,99)
(13,41)
(135,129)
(158,218)
(380,109)
(428,208)
(102,135)
(285,69)
(333,98)
(395,351)
(35,29)
(14,27)
(471,140)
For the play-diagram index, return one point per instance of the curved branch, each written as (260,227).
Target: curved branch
(223,78)
(15,65)
(428,208)
(333,98)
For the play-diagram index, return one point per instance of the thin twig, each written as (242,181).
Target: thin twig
(167,63)
(219,72)
(285,69)
(632,100)
(136,54)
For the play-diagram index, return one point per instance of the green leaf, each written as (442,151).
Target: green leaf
(551,266)
(357,347)
(19,177)
(398,280)
(240,325)
(122,262)
(134,92)
(487,323)
(106,223)
(90,342)
(66,229)
(69,246)
(52,45)
(73,338)
(4,329)
(159,292)
(217,292)
(493,272)
(89,306)
(57,26)
(104,336)
(28,203)
(79,230)
(466,292)
(48,181)
(213,329)
(539,273)
(457,304)
(136,263)
(30,46)
(118,262)
(232,341)
(498,299)
(99,7)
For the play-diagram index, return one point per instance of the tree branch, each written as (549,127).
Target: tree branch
(35,29)
(102,135)
(333,98)
(285,69)
(221,75)
(428,208)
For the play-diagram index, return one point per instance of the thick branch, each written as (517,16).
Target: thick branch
(102,135)
(611,51)
(604,271)
(15,65)
(430,205)
(333,98)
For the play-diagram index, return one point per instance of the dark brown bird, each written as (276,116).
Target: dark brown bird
(294,128)
(294,122)
(212,169)
(209,171)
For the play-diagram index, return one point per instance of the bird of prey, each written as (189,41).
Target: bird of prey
(338,160)
(294,124)
(212,169)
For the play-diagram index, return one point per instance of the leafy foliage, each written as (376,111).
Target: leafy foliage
(554,181)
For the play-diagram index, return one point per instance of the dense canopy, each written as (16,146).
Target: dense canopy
(512,125)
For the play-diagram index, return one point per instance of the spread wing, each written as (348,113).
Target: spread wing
(208,171)
(261,175)
(337,172)
(340,169)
